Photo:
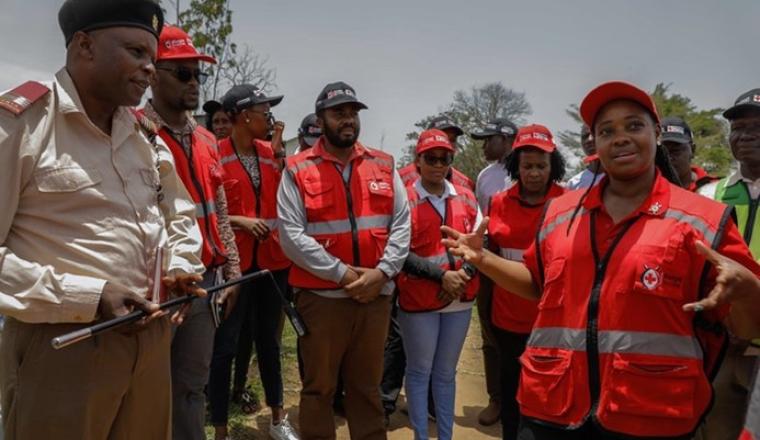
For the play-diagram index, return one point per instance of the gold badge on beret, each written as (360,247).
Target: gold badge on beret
(155,23)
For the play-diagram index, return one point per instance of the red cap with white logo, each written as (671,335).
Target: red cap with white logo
(536,136)
(175,45)
(433,138)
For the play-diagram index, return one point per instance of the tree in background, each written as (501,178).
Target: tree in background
(471,109)
(209,23)
(708,129)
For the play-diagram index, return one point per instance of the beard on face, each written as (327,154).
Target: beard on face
(338,141)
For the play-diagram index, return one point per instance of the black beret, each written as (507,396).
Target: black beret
(88,15)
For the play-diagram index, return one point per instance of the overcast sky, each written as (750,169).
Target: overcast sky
(406,58)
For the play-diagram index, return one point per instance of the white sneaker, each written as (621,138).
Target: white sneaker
(282,430)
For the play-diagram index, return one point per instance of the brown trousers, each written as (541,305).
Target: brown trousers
(110,387)
(490,347)
(345,335)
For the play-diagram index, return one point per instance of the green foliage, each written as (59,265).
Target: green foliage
(710,131)
(471,109)
(209,24)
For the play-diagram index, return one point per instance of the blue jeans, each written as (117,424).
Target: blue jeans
(432,342)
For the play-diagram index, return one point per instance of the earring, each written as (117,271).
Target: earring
(247,121)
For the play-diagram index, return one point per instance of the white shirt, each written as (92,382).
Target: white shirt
(752,185)
(492,179)
(439,203)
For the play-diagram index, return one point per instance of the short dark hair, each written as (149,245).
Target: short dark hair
(556,161)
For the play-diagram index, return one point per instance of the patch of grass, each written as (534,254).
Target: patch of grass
(256,426)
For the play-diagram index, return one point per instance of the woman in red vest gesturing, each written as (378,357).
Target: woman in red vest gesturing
(251,179)
(630,317)
(515,214)
(435,313)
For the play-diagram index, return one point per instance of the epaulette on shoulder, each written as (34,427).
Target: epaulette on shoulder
(22,97)
(149,128)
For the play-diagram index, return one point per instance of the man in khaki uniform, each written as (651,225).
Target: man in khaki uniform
(87,200)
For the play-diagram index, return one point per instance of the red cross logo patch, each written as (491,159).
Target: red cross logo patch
(651,278)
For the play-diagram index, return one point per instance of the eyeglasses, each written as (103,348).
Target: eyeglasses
(185,74)
(431,160)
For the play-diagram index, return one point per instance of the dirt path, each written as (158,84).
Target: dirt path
(470,399)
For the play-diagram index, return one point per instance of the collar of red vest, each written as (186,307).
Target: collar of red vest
(554,191)
(656,204)
(318,150)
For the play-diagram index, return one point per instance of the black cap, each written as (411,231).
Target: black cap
(443,122)
(500,126)
(211,107)
(675,129)
(243,96)
(309,129)
(335,94)
(745,101)
(89,15)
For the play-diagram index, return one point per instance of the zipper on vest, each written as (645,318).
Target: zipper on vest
(444,220)
(351,216)
(592,313)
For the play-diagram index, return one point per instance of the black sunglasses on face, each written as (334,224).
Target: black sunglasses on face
(431,160)
(185,74)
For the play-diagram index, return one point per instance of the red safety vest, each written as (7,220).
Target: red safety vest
(244,199)
(409,175)
(511,230)
(420,294)
(700,178)
(751,429)
(611,341)
(202,177)
(350,220)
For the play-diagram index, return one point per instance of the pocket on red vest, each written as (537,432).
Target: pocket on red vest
(546,381)
(662,387)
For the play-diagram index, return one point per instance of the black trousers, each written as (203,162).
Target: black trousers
(530,430)
(254,320)
(510,346)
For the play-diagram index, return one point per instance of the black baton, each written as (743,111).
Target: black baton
(80,335)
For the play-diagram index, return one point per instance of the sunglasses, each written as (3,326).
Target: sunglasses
(431,160)
(185,74)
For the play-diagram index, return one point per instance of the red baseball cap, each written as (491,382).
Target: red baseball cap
(611,91)
(534,135)
(433,138)
(174,45)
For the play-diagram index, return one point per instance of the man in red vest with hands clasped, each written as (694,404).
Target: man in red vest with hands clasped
(344,222)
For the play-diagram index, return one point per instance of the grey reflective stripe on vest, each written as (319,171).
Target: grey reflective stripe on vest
(558,220)
(269,162)
(210,209)
(618,341)
(344,226)
(305,164)
(512,254)
(228,159)
(380,161)
(693,221)
(473,204)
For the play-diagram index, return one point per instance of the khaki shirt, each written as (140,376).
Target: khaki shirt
(79,208)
